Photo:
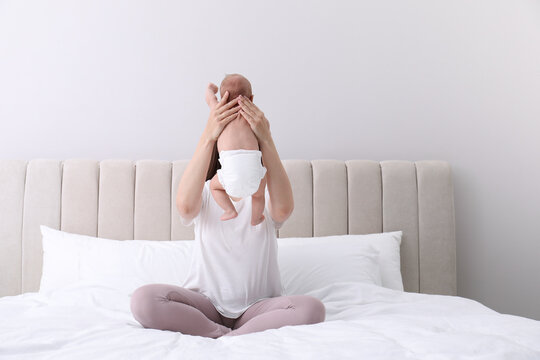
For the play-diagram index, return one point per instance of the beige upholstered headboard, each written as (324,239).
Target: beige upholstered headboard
(124,199)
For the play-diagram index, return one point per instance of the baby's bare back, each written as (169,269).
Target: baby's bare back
(237,135)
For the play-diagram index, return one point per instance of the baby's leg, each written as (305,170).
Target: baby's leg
(222,199)
(257,204)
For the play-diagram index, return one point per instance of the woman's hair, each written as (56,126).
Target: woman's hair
(214,163)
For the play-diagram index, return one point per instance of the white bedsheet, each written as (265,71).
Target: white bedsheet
(362,320)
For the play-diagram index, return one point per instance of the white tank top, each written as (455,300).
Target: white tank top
(234,263)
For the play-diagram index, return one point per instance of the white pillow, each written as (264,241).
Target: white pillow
(122,264)
(334,259)
(60,259)
(308,264)
(305,263)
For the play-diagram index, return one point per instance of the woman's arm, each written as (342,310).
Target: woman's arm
(281,202)
(188,196)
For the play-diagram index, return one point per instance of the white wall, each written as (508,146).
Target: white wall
(381,80)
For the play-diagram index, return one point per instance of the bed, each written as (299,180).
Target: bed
(126,200)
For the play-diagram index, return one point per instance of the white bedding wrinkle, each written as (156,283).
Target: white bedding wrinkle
(90,321)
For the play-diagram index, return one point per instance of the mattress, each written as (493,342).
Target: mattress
(87,321)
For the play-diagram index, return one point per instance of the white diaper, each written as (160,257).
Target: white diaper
(241,171)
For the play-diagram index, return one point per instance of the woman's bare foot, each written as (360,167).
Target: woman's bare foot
(229,214)
(258,221)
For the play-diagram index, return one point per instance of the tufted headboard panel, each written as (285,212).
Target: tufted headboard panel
(125,199)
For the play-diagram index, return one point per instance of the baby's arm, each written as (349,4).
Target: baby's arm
(211,92)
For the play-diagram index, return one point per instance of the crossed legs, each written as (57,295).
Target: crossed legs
(170,307)
(273,313)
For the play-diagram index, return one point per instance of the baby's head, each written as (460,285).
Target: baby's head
(236,84)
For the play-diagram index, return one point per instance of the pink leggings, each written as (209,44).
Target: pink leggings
(170,307)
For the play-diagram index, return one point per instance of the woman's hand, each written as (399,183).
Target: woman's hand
(220,115)
(255,118)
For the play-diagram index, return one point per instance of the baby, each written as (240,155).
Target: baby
(241,173)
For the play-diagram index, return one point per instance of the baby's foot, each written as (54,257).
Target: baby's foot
(229,214)
(255,222)
(211,98)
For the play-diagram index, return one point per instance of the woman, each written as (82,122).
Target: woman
(234,286)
